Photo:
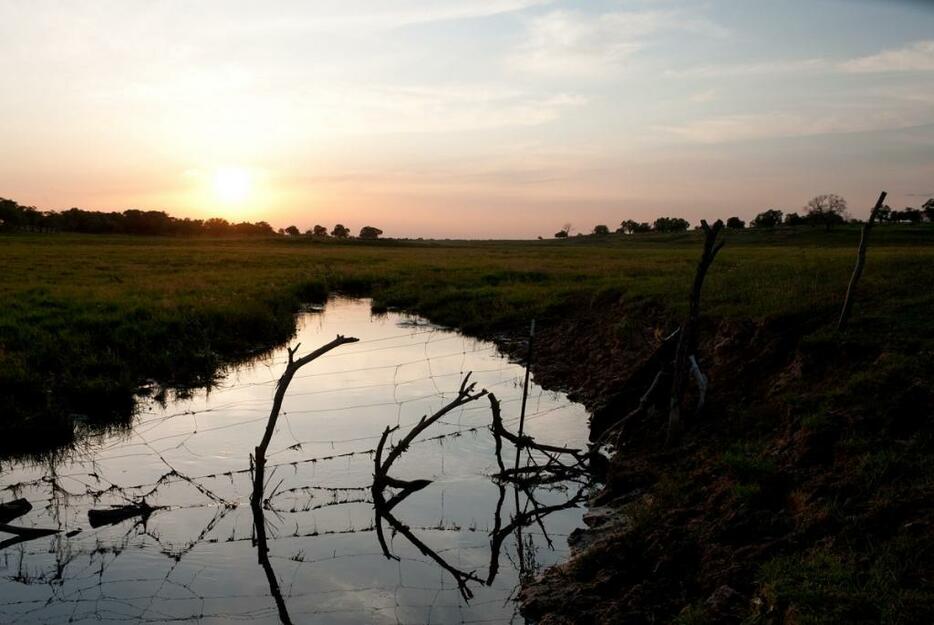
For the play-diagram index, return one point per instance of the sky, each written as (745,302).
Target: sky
(465,118)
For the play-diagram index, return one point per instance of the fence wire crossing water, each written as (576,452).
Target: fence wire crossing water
(192,556)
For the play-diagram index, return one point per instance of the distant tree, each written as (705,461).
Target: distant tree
(794,219)
(630,226)
(884,214)
(601,230)
(293,231)
(340,232)
(912,215)
(671,224)
(320,231)
(768,219)
(736,223)
(561,234)
(826,210)
(928,209)
(217,226)
(369,232)
(627,226)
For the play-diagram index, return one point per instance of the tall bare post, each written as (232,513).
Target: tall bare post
(259,473)
(525,388)
(687,341)
(860,261)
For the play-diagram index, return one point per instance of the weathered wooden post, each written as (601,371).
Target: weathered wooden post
(687,341)
(860,262)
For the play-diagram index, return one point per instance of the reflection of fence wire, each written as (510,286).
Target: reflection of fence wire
(292,501)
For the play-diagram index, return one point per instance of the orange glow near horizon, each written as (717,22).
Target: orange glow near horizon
(506,118)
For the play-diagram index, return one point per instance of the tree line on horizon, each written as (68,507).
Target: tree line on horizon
(825,210)
(14,216)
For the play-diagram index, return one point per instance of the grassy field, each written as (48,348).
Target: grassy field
(85,319)
(808,486)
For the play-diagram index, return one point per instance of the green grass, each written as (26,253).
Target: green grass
(84,320)
(823,587)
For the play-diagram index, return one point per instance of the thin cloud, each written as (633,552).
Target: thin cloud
(916,57)
(771,125)
(791,66)
(367,109)
(575,43)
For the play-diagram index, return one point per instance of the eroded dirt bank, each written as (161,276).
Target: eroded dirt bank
(802,494)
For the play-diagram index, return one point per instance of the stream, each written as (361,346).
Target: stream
(194,556)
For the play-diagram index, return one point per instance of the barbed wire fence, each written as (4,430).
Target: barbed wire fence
(180,512)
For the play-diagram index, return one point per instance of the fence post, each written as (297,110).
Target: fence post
(860,262)
(525,388)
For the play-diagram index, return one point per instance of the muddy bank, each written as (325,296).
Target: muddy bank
(802,494)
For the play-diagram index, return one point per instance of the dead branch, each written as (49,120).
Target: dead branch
(282,386)
(860,262)
(22,534)
(644,403)
(381,478)
(465,395)
(687,342)
(13,509)
(524,442)
(660,363)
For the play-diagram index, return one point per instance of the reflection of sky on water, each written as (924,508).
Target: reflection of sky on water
(195,561)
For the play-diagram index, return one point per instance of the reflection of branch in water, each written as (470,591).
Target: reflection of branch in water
(257,497)
(522,478)
(382,480)
(461,577)
(262,552)
(553,469)
(525,479)
(13,510)
(522,519)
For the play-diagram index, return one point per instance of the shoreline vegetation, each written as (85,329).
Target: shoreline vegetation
(803,495)
(88,320)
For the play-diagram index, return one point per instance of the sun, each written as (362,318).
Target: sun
(232,184)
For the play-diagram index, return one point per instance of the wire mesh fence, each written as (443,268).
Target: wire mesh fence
(191,553)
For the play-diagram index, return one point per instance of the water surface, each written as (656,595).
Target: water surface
(195,558)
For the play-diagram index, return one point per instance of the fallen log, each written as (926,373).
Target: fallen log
(117,514)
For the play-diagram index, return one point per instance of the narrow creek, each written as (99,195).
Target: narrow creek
(194,556)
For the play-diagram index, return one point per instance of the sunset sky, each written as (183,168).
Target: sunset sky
(465,118)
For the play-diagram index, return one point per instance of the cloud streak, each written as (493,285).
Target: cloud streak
(575,43)
(916,57)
